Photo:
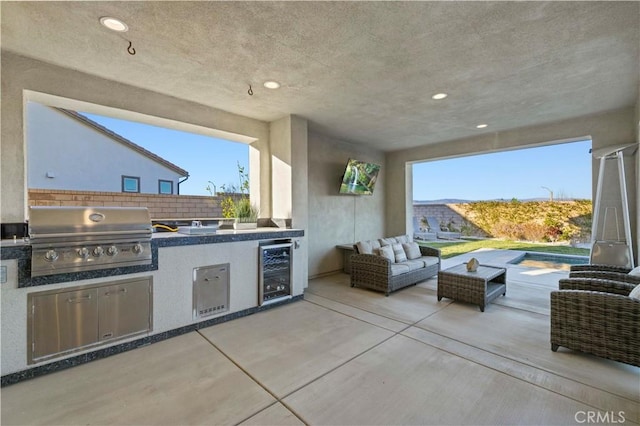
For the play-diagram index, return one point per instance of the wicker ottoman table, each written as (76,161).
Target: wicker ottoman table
(479,287)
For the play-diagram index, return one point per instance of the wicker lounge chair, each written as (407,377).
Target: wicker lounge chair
(596,316)
(434,225)
(604,272)
(606,275)
(419,233)
(599,268)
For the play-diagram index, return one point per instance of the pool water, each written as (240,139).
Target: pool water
(546,260)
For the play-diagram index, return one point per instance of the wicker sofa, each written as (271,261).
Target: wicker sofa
(370,270)
(596,316)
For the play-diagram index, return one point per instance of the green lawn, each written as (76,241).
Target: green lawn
(450,249)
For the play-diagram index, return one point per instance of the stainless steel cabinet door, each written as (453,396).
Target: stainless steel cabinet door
(210,290)
(63,321)
(124,309)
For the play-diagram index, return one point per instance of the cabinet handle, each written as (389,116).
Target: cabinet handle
(79,299)
(122,290)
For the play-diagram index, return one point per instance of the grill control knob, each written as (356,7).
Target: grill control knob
(98,251)
(137,249)
(112,251)
(51,256)
(83,252)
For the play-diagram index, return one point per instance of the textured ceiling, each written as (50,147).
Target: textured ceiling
(361,71)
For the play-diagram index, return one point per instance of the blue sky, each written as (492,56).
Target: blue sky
(565,169)
(205,158)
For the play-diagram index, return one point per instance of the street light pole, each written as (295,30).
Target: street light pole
(550,192)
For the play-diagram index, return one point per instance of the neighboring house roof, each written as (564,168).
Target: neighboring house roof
(81,118)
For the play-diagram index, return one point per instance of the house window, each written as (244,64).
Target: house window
(130,184)
(165,186)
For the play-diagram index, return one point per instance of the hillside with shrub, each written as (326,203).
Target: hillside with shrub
(547,221)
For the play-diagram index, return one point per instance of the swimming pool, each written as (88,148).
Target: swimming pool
(548,260)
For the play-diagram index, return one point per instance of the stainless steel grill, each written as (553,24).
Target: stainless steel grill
(73,239)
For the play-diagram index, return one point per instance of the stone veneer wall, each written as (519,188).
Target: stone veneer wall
(160,206)
(447,213)
(443,212)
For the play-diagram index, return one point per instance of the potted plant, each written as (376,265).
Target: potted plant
(237,205)
(245,213)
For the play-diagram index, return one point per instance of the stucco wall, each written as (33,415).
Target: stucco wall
(280,138)
(289,177)
(607,129)
(300,184)
(63,153)
(72,89)
(339,219)
(637,125)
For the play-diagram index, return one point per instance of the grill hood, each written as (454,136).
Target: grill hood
(75,239)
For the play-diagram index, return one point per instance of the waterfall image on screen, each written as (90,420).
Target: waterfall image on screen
(359,178)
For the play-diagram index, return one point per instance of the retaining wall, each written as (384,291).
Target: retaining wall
(160,206)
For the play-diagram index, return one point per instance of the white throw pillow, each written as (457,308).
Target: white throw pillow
(635,293)
(387,251)
(402,239)
(412,250)
(635,271)
(364,247)
(387,241)
(399,253)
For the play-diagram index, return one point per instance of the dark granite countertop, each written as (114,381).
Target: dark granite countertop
(21,251)
(172,239)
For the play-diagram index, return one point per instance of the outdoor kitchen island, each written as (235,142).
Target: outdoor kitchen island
(177,260)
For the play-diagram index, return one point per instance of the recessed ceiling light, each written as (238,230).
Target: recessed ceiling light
(481,126)
(439,96)
(114,24)
(271,84)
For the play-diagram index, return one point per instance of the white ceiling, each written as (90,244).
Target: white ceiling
(361,71)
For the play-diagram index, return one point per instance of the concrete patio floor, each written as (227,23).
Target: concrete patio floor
(350,356)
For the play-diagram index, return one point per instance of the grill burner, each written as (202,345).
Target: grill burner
(74,239)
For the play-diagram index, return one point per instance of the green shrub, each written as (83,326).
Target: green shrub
(244,211)
(532,220)
(237,203)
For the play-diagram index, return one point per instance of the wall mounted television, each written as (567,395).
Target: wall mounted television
(359,178)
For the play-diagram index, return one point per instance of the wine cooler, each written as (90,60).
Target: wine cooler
(275,272)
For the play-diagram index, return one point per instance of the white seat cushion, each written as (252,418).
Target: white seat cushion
(430,260)
(399,268)
(414,264)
